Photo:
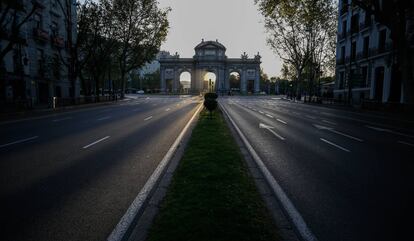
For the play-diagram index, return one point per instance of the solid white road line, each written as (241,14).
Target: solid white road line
(19,141)
(388,131)
(406,143)
(311,117)
(300,225)
(104,118)
(320,127)
(335,145)
(346,135)
(148,118)
(95,142)
(329,122)
(281,121)
(124,224)
(62,119)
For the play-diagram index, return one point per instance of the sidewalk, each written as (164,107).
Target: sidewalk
(42,110)
(358,109)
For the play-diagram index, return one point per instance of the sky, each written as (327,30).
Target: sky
(237,24)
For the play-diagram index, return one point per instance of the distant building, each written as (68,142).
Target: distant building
(364,61)
(154,65)
(33,70)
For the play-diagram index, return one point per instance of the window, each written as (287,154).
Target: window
(381,40)
(367,20)
(353,51)
(341,80)
(40,62)
(355,23)
(37,20)
(17,65)
(366,47)
(364,73)
(343,54)
(344,28)
(55,29)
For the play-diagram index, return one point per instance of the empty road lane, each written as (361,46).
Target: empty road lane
(349,174)
(72,176)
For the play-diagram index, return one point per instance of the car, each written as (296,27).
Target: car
(140,92)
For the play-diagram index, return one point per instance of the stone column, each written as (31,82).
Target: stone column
(243,81)
(257,81)
(162,79)
(176,81)
(193,80)
(227,80)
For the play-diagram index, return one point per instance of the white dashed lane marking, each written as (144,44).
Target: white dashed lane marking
(19,141)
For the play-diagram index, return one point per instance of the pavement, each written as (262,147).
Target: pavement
(73,175)
(347,173)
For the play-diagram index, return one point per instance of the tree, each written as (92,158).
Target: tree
(210,102)
(302,33)
(13,15)
(140,27)
(71,48)
(398,17)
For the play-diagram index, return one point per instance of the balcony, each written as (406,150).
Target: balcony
(362,55)
(58,42)
(38,4)
(40,34)
(347,59)
(364,25)
(15,4)
(386,48)
(340,61)
(373,52)
(341,35)
(344,10)
(16,37)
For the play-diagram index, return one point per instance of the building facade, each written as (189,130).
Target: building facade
(364,58)
(36,68)
(210,57)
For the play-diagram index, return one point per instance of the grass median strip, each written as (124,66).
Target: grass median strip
(212,196)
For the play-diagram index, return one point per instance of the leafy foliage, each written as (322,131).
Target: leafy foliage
(302,32)
(210,102)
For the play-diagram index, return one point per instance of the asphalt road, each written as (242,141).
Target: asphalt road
(72,175)
(349,174)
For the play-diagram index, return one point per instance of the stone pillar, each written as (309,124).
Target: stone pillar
(386,84)
(176,81)
(227,80)
(222,73)
(193,80)
(373,82)
(257,81)
(243,82)
(162,79)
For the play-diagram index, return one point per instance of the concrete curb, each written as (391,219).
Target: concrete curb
(137,220)
(287,224)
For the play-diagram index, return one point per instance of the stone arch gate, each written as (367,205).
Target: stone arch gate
(210,56)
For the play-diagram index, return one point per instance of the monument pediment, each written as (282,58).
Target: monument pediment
(210,45)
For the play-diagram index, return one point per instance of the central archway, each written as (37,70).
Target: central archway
(209,83)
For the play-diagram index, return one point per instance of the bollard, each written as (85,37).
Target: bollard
(54,102)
